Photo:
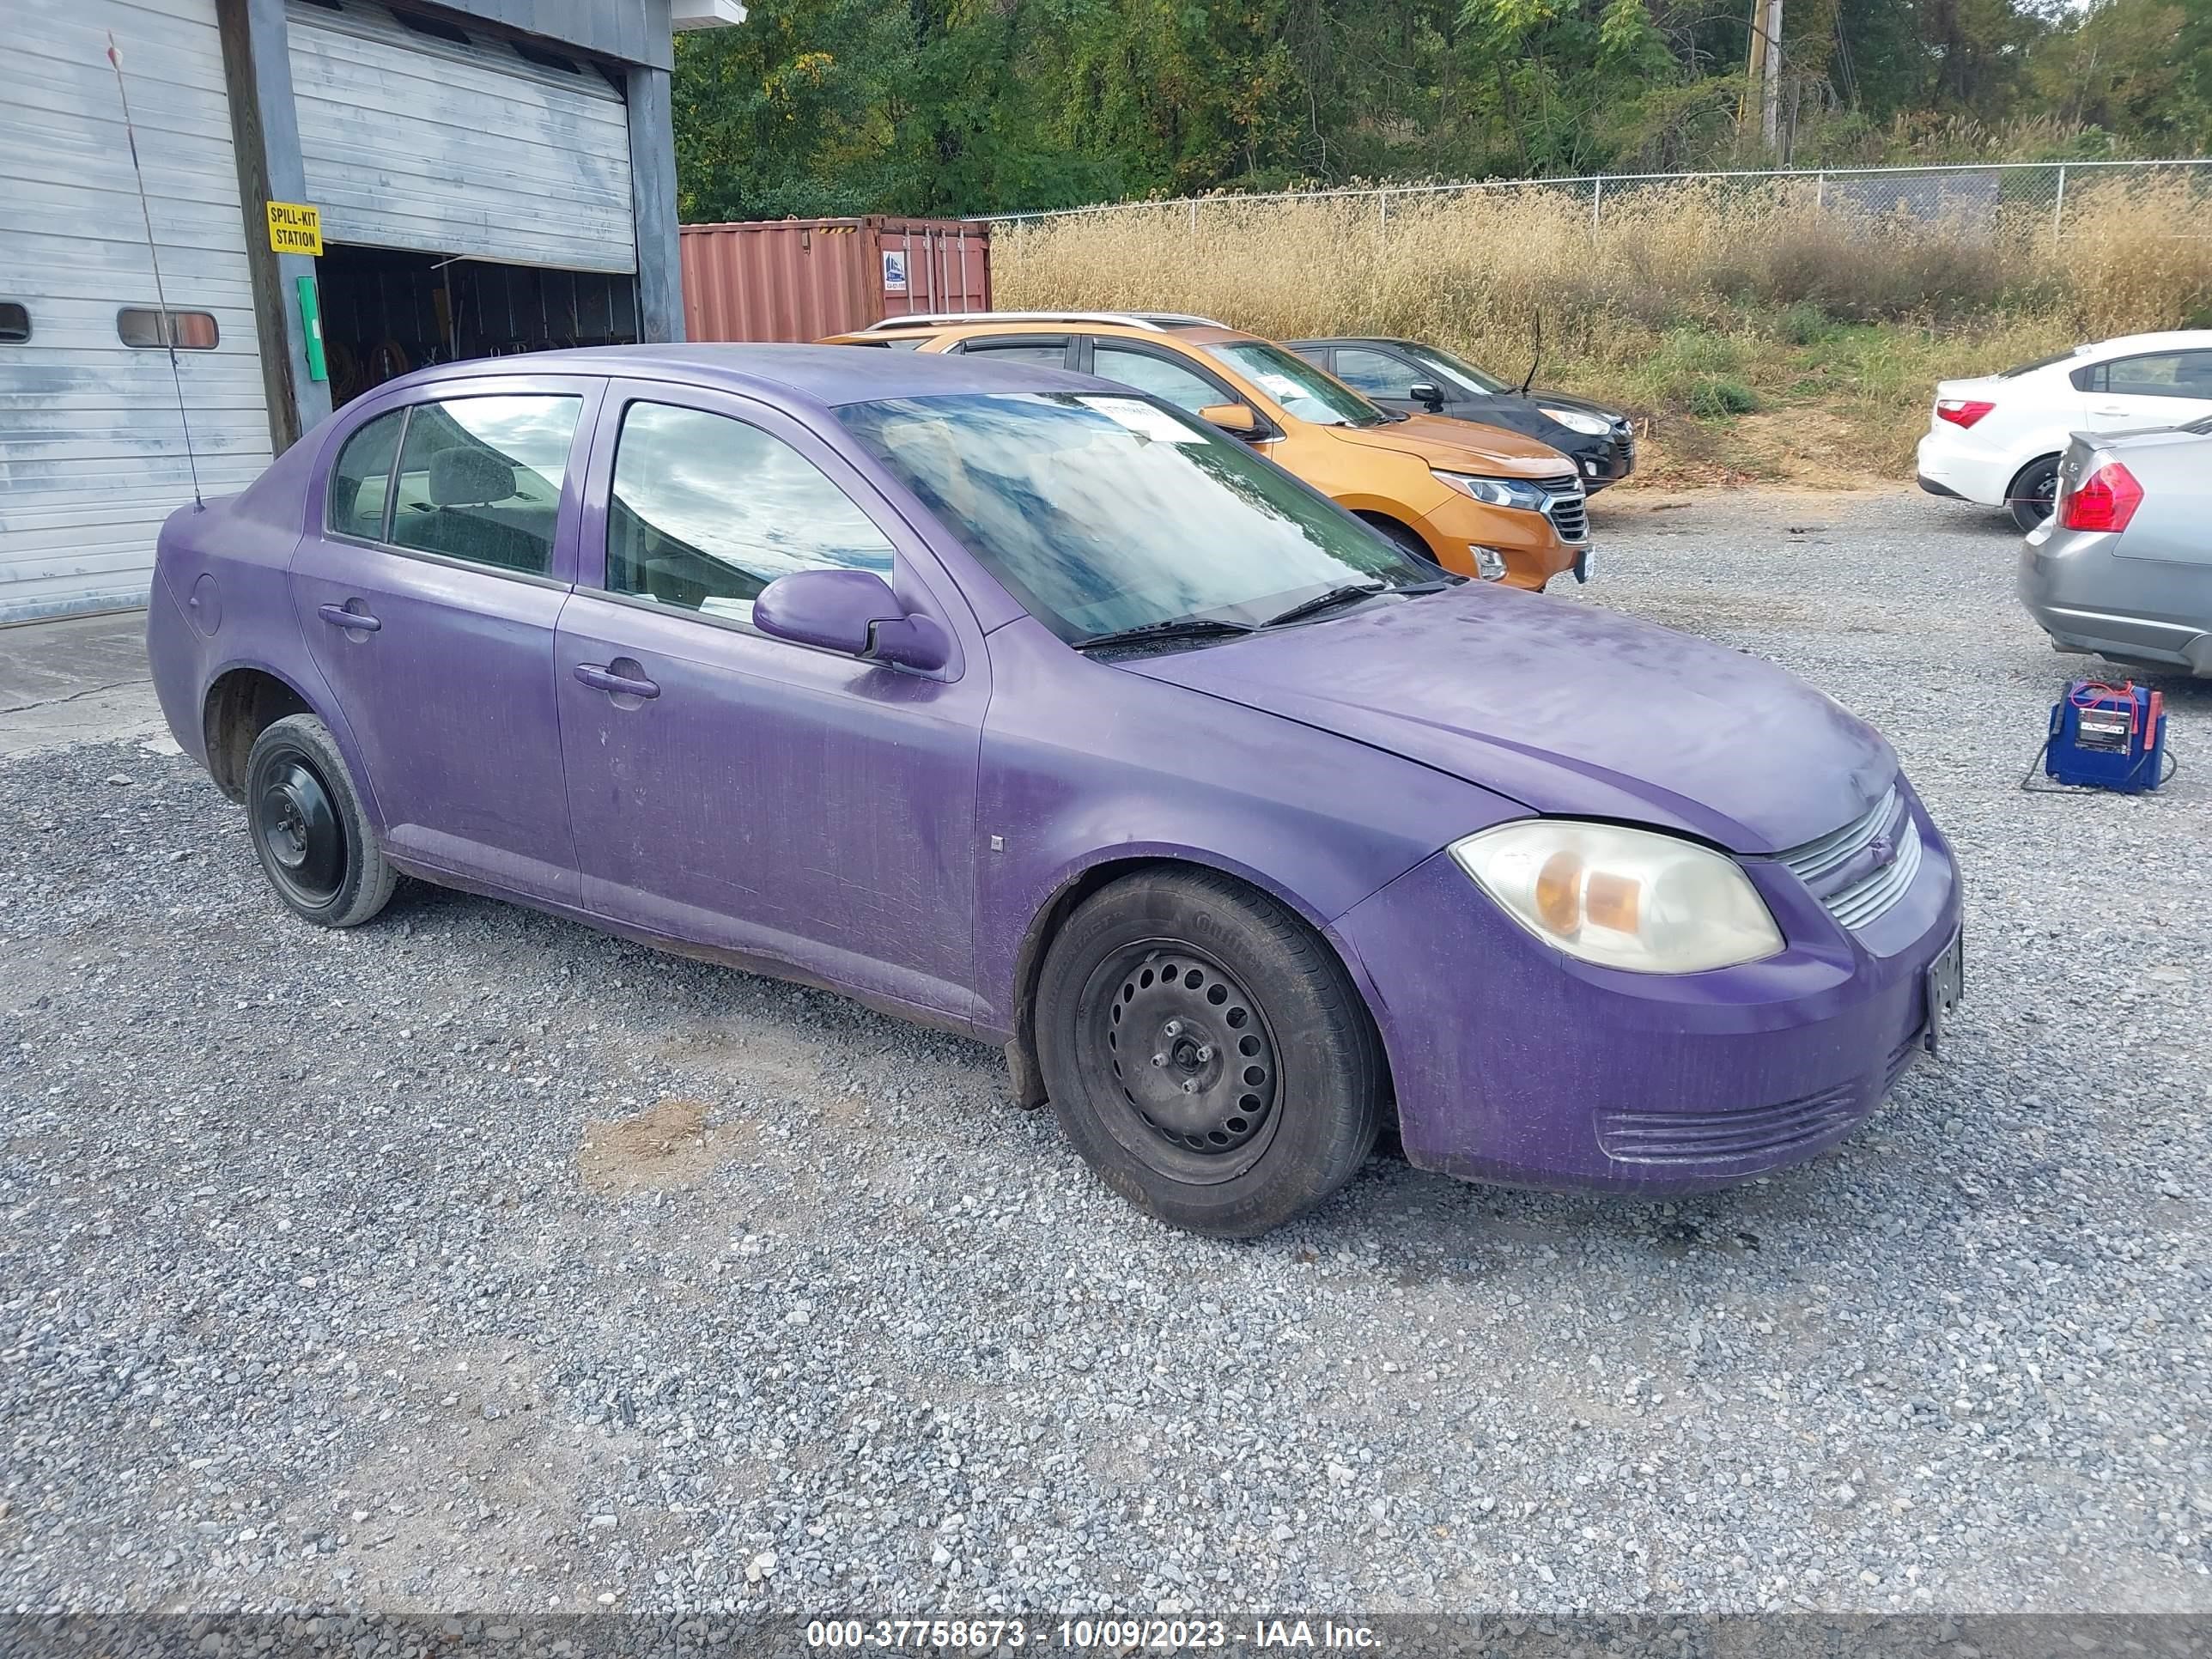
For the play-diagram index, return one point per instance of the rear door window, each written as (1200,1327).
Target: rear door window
(480,479)
(361,482)
(1045,351)
(2157,375)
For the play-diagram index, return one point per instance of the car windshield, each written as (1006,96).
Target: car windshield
(1303,391)
(1459,369)
(1102,513)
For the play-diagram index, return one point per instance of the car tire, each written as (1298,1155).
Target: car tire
(1401,534)
(314,841)
(2033,490)
(1206,1052)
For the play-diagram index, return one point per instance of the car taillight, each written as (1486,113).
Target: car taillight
(2106,499)
(1962,411)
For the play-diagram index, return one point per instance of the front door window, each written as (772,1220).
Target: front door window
(706,511)
(1170,382)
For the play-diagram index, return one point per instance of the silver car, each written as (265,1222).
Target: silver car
(2123,566)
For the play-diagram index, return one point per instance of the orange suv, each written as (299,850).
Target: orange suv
(1478,499)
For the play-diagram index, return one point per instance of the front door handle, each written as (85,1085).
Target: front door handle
(601,678)
(2108,410)
(338,616)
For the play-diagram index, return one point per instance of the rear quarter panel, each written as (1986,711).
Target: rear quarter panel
(2173,523)
(231,557)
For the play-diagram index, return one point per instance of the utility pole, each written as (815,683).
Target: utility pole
(1771,90)
(1755,69)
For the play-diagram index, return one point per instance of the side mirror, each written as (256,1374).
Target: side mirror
(1237,420)
(1426,393)
(854,612)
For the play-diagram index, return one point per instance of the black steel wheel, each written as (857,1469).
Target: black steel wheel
(1206,1051)
(1193,1063)
(302,846)
(2033,493)
(314,841)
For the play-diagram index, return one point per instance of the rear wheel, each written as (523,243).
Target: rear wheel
(314,841)
(1206,1052)
(2032,492)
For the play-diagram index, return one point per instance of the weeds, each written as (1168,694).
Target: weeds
(1692,303)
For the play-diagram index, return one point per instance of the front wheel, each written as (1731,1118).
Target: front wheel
(2034,491)
(1403,535)
(1206,1052)
(314,841)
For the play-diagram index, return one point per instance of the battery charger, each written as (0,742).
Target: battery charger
(2108,736)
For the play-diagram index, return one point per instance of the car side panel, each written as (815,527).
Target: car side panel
(1320,822)
(221,568)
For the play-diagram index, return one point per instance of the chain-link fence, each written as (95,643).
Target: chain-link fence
(1964,194)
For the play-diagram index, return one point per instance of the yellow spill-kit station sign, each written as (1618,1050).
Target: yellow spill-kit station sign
(295,227)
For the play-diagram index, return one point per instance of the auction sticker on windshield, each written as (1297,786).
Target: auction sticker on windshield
(1146,421)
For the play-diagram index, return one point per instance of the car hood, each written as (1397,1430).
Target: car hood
(1462,447)
(1567,709)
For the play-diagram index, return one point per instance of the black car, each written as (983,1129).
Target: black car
(1425,380)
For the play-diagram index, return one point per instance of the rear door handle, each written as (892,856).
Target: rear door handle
(600,678)
(338,616)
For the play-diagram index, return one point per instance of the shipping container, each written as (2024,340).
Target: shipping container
(801,279)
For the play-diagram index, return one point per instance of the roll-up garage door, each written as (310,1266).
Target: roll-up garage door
(420,134)
(93,420)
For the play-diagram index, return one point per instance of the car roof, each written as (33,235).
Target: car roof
(984,322)
(2163,339)
(826,375)
(1354,339)
(1151,322)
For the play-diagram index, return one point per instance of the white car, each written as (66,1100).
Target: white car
(1997,439)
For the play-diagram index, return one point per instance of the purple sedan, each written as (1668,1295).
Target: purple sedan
(1006,700)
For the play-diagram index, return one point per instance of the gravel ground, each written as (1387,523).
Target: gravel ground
(474,1260)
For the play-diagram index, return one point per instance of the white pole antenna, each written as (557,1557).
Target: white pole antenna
(161,299)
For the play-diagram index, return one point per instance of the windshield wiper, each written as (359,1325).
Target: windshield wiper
(1336,596)
(1176,628)
(1326,599)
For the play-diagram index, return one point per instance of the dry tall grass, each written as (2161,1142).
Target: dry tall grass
(1691,300)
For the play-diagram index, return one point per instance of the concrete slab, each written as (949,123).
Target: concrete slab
(82,679)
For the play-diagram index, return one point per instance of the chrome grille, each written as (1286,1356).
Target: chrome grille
(1862,901)
(1815,859)
(1837,867)
(1566,507)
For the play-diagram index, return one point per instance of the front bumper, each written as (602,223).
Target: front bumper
(1603,461)
(1530,542)
(2089,599)
(1515,1064)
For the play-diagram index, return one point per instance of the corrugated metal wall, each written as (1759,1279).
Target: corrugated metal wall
(414,142)
(91,454)
(801,279)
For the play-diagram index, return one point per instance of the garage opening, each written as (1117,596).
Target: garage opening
(387,311)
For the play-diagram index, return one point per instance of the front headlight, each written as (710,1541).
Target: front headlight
(1496,492)
(1622,898)
(1576,421)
